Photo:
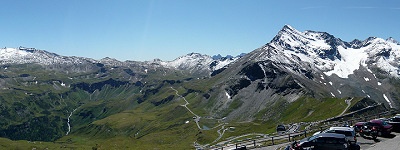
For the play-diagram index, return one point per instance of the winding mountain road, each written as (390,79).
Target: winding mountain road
(348,102)
(197,119)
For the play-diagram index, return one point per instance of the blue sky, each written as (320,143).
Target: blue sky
(166,29)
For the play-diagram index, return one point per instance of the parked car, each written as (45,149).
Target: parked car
(280,128)
(395,122)
(382,126)
(322,141)
(347,131)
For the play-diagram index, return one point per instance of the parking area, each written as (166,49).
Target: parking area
(387,129)
(379,143)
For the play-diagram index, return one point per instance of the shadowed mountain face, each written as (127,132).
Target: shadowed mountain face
(45,93)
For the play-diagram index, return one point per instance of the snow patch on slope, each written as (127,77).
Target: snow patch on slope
(224,62)
(387,99)
(7,53)
(227,95)
(351,61)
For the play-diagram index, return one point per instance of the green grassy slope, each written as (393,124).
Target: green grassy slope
(112,112)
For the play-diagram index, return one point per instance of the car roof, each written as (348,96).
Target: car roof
(341,128)
(359,123)
(334,135)
(376,121)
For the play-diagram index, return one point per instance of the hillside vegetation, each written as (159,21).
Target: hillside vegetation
(109,112)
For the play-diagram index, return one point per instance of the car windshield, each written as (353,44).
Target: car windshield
(346,133)
(384,123)
(311,138)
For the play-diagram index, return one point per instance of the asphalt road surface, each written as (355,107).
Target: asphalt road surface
(391,142)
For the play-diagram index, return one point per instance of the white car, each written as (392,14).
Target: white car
(347,131)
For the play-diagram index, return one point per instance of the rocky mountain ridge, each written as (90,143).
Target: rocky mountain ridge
(295,64)
(334,56)
(313,59)
(193,62)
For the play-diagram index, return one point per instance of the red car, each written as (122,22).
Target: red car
(383,127)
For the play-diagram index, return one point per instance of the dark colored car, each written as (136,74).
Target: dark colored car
(383,127)
(280,128)
(395,122)
(322,141)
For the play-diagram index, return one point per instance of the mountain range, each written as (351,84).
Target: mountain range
(296,77)
(192,61)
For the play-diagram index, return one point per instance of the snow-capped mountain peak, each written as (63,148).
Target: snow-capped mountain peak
(288,28)
(6,53)
(188,61)
(392,40)
(315,44)
(195,62)
(332,55)
(24,55)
